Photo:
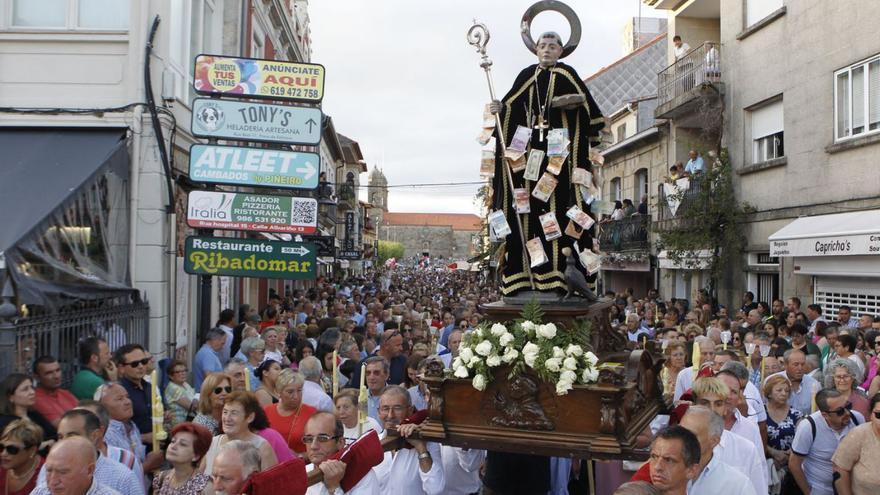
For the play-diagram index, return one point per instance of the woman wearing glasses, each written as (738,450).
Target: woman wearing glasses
(857,458)
(288,417)
(19,461)
(180,397)
(843,375)
(215,388)
(239,413)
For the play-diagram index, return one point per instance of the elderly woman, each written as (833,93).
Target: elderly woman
(19,461)
(253,349)
(857,458)
(189,444)
(274,346)
(267,373)
(347,412)
(239,413)
(180,397)
(781,418)
(213,394)
(844,376)
(676,360)
(289,416)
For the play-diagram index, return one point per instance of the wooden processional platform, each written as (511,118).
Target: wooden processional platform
(524,414)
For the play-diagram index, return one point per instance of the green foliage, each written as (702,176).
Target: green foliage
(390,249)
(712,220)
(532,312)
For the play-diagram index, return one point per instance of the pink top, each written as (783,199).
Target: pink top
(872,372)
(282,451)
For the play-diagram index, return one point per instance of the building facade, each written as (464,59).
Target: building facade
(446,236)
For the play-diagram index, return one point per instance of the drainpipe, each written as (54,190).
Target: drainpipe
(134,181)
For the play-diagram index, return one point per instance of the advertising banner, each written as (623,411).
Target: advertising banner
(251,121)
(254,78)
(250,258)
(350,254)
(252,212)
(257,167)
(325,244)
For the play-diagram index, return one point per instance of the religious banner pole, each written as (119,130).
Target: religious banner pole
(478,37)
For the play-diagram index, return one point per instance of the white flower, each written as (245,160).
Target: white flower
(474,361)
(506,339)
(493,360)
(591,359)
(562,387)
(530,348)
(484,348)
(461,372)
(547,331)
(510,355)
(530,359)
(480,382)
(568,376)
(570,363)
(465,353)
(528,327)
(558,352)
(574,350)
(552,364)
(590,375)
(498,329)
(457,363)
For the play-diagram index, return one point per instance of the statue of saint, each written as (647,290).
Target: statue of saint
(551,101)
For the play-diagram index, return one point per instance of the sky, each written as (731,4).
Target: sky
(404,83)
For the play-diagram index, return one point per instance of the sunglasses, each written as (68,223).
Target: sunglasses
(217,390)
(321,438)
(840,411)
(12,449)
(142,362)
(877,414)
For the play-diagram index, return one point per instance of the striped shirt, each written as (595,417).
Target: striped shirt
(95,489)
(119,435)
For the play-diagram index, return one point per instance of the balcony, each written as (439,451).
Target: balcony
(629,234)
(347,196)
(673,204)
(325,193)
(691,84)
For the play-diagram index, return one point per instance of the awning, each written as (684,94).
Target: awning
(64,197)
(840,234)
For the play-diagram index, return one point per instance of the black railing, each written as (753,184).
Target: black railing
(56,334)
(698,66)
(628,234)
(325,193)
(686,199)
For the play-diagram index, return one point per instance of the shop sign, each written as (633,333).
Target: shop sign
(251,121)
(843,245)
(325,244)
(250,258)
(258,167)
(253,212)
(254,78)
(350,254)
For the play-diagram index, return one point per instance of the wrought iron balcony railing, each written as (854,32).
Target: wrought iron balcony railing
(628,234)
(697,67)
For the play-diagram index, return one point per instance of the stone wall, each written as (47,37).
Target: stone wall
(437,241)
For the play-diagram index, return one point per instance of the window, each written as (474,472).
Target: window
(110,15)
(616,192)
(621,132)
(857,99)
(767,132)
(258,38)
(641,189)
(206,26)
(757,10)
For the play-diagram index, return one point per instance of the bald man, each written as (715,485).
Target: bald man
(70,468)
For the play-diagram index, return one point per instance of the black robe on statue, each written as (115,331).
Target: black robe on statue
(584,124)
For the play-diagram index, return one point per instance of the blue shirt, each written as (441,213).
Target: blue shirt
(141,402)
(444,334)
(205,361)
(695,165)
(126,436)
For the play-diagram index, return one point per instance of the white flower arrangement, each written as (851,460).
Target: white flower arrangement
(555,355)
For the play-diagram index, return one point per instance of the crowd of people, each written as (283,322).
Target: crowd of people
(763,399)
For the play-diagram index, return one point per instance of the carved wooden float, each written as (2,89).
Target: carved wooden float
(524,415)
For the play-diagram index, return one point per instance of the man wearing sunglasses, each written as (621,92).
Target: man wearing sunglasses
(132,361)
(323,437)
(815,440)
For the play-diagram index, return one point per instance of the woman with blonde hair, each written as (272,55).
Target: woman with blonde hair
(19,461)
(781,419)
(289,416)
(215,388)
(676,360)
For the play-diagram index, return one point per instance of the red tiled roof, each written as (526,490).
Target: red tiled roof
(458,221)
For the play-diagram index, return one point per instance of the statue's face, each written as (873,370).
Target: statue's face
(549,50)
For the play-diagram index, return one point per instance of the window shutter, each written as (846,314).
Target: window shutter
(874,93)
(842,104)
(858,99)
(767,120)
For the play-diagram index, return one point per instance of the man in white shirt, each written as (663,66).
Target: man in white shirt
(741,453)
(815,440)
(461,468)
(686,376)
(803,386)
(409,471)
(313,392)
(751,403)
(715,475)
(226,322)
(323,437)
(681,48)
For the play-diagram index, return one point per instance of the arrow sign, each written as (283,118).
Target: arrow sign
(298,250)
(310,123)
(258,167)
(308,170)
